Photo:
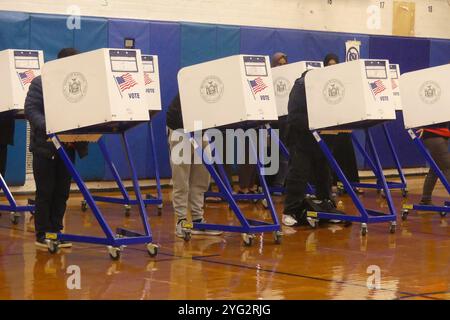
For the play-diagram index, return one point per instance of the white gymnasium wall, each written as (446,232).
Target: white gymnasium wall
(358,16)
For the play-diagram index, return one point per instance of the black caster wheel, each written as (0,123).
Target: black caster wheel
(114,253)
(393,228)
(84,206)
(127,211)
(187,235)
(52,246)
(152,250)
(404,193)
(443,214)
(277,236)
(364,229)
(14,218)
(405,214)
(247,239)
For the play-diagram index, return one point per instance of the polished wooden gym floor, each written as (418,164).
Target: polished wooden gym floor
(331,262)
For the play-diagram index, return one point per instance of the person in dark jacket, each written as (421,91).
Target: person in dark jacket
(342,144)
(306,158)
(50,173)
(6,138)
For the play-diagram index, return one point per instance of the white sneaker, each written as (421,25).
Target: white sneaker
(205,232)
(288,220)
(179,228)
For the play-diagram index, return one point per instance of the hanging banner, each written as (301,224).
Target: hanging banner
(352,50)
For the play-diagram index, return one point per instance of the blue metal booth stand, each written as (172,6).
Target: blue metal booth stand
(15,209)
(248,227)
(115,242)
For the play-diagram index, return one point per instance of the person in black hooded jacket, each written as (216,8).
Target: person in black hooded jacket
(306,159)
(6,138)
(50,173)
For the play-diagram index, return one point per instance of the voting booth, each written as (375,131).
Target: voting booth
(394,75)
(394,72)
(151,82)
(284,78)
(227,91)
(426,102)
(18,69)
(95,91)
(425,96)
(352,95)
(349,95)
(235,91)
(99,92)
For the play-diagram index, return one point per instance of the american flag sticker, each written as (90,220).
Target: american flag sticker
(125,81)
(377,87)
(394,84)
(257,85)
(26,77)
(147,79)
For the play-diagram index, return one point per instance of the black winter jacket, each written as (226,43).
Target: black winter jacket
(35,114)
(7,131)
(174,117)
(297,119)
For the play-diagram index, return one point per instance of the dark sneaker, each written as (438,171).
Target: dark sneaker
(426,202)
(205,232)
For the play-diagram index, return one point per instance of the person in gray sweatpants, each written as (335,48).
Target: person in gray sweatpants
(190,178)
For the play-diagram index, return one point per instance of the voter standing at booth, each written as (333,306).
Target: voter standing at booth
(306,159)
(190,180)
(50,173)
(341,144)
(436,140)
(6,138)
(278,180)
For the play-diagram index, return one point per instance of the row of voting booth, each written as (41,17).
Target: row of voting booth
(108,91)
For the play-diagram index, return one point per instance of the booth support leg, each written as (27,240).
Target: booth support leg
(396,161)
(158,199)
(83,188)
(136,187)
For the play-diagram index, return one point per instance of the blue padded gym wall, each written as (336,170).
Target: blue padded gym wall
(15,34)
(138,30)
(165,41)
(439,52)
(412,54)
